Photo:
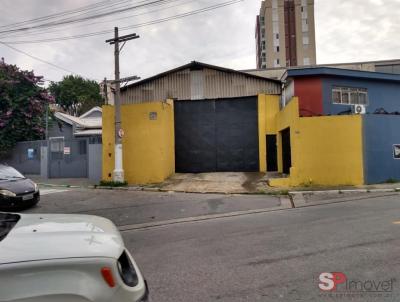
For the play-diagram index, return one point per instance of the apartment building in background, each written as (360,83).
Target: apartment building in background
(285,34)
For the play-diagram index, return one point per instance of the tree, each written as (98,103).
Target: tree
(76,95)
(23,106)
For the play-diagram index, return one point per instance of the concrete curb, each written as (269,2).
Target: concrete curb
(345,191)
(150,225)
(124,188)
(158,189)
(299,201)
(292,194)
(55,185)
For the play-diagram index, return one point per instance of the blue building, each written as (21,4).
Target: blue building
(330,91)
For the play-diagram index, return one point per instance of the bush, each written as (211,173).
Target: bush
(23,106)
(108,183)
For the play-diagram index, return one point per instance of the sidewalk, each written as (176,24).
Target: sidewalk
(61,182)
(217,182)
(221,183)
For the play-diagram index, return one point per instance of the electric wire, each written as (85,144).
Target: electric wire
(138,25)
(48,31)
(85,18)
(64,13)
(41,60)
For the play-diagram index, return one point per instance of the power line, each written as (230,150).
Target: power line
(90,17)
(44,32)
(139,25)
(64,13)
(40,60)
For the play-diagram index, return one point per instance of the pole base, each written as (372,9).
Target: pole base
(118,173)
(118,176)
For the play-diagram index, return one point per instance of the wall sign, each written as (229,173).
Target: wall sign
(153,116)
(396,151)
(67,150)
(31,153)
(121,133)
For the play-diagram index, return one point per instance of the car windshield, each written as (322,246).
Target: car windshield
(7,173)
(7,222)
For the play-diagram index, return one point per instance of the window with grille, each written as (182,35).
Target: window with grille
(57,147)
(349,96)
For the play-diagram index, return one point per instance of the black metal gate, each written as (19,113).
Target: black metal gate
(217,135)
(286,151)
(272,156)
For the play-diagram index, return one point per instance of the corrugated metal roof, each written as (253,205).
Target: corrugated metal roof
(198,81)
(89,132)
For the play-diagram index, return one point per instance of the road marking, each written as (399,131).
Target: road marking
(51,191)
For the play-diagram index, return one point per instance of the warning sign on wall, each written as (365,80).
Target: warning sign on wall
(67,150)
(396,151)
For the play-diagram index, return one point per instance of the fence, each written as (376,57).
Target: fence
(76,158)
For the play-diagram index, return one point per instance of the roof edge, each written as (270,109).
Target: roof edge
(196,64)
(331,71)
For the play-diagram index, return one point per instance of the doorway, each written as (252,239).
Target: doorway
(286,151)
(272,156)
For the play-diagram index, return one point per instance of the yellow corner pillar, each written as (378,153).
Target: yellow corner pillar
(262,132)
(268,107)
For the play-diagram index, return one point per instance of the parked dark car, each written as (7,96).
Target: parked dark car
(16,191)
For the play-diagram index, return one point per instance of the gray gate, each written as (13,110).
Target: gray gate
(68,158)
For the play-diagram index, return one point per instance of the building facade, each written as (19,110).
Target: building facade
(195,118)
(285,34)
(324,140)
(309,130)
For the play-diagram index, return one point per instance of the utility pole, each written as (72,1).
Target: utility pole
(118,173)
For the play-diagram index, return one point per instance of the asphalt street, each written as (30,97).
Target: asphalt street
(270,256)
(134,207)
(275,256)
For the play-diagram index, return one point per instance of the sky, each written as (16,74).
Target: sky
(346,31)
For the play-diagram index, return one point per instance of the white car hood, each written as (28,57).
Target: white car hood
(45,237)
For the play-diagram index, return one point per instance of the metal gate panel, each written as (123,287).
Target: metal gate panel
(68,158)
(195,136)
(237,135)
(216,135)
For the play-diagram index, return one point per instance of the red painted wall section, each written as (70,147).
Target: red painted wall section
(309,92)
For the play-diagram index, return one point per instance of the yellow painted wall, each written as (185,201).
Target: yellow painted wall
(289,117)
(148,145)
(268,107)
(329,151)
(326,150)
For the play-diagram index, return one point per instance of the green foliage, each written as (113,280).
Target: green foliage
(76,95)
(106,183)
(391,181)
(22,107)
